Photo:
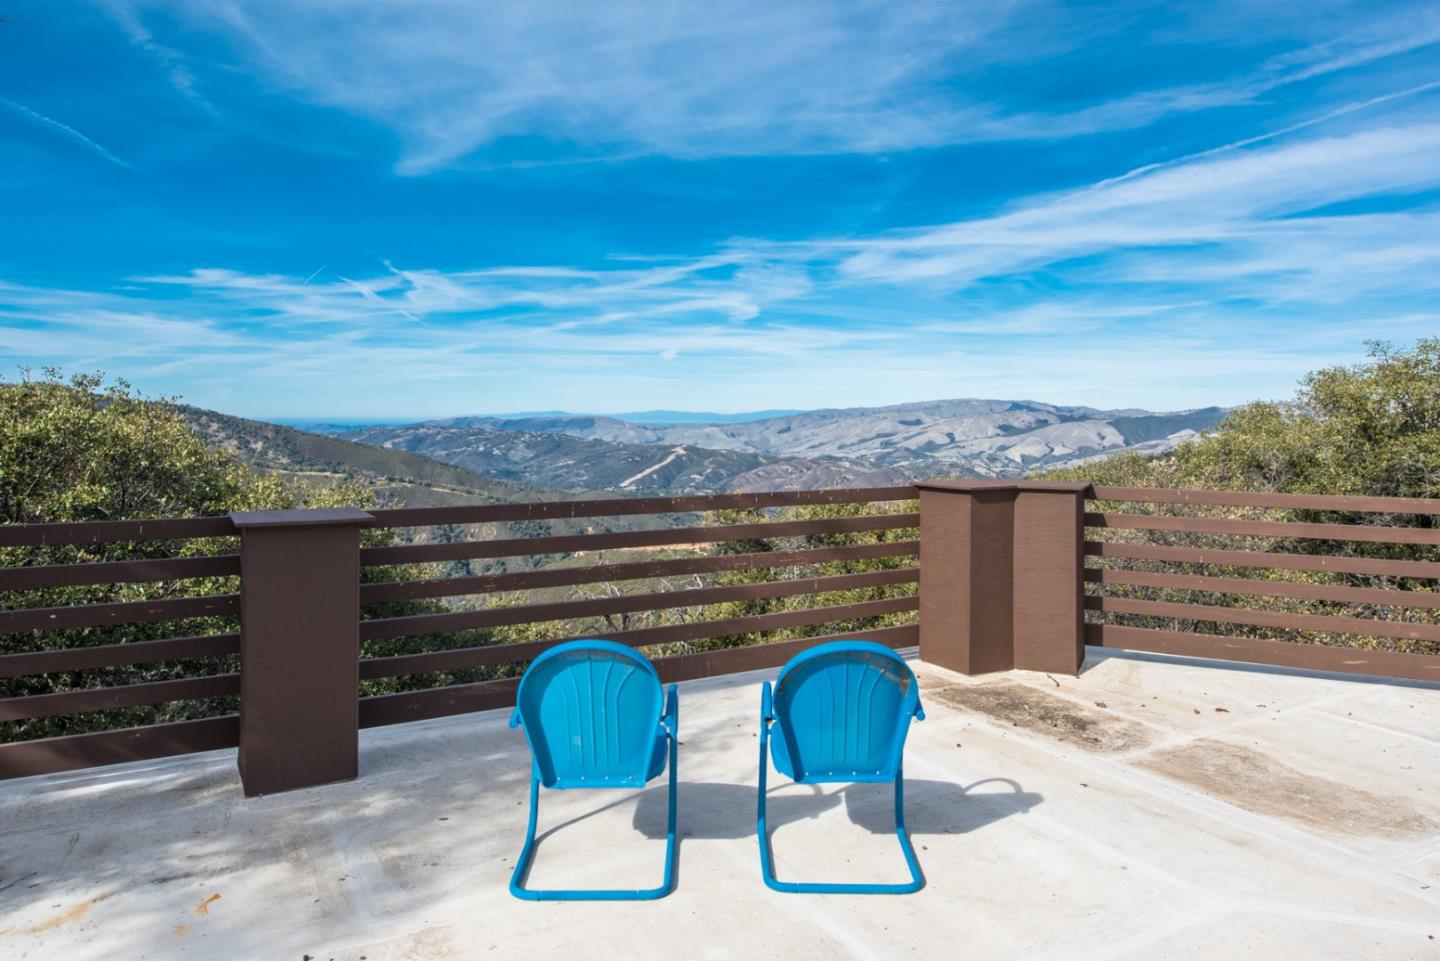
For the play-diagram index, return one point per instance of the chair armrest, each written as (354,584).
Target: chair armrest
(767,705)
(671,720)
(919,711)
(515,720)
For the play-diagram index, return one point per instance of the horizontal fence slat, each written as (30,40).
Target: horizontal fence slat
(109,532)
(1370,566)
(1220,525)
(108,698)
(625,604)
(118,572)
(453,699)
(1254,650)
(118,655)
(1255,588)
(383,709)
(755,657)
(1322,502)
(532,546)
(72,751)
(460,658)
(568,576)
(123,612)
(622,506)
(1329,623)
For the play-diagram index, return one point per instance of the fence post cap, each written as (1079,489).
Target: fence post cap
(994,484)
(313,517)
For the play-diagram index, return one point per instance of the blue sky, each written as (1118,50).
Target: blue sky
(311,209)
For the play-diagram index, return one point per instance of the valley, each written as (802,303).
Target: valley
(558,454)
(821,448)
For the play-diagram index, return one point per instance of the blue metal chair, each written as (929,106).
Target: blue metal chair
(842,711)
(593,717)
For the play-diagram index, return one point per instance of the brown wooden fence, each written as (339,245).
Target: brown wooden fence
(111,746)
(458,698)
(790,566)
(1174,575)
(1010,575)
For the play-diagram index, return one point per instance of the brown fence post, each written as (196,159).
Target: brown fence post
(299,647)
(1001,566)
(1049,568)
(965,543)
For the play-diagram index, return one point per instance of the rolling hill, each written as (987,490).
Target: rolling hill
(523,457)
(972,437)
(557,460)
(399,478)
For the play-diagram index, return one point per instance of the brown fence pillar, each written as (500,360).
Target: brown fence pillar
(299,647)
(1001,566)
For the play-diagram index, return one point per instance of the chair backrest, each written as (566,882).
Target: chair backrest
(844,710)
(591,712)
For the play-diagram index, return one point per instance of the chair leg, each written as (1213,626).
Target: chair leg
(522,864)
(917,879)
(767,861)
(671,846)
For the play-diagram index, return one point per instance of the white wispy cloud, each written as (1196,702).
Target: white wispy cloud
(1230,203)
(1240,223)
(1365,41)
(65,129)
(1073,316)
(1223,271)
(177,69)
(472,366)
(689,78)
(685,78)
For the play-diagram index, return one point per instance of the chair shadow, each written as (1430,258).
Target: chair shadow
(938,807)
(651,818)
(727,811)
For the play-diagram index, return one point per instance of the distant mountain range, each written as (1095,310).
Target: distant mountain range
(557,460)
(653,417)
(861,445)
(699,417)
(399,479)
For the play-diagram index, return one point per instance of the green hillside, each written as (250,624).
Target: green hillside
(398,478)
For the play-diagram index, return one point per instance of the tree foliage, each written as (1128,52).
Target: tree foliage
(84,450)
(81,450)
(696,613)
(1368,429)
(798,602)
(1371,429)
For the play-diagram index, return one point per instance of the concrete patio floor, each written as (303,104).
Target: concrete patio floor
(1152,808)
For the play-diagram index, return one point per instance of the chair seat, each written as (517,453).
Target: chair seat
(655,768)
(780,755)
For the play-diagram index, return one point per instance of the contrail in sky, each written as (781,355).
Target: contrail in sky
(66,129)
